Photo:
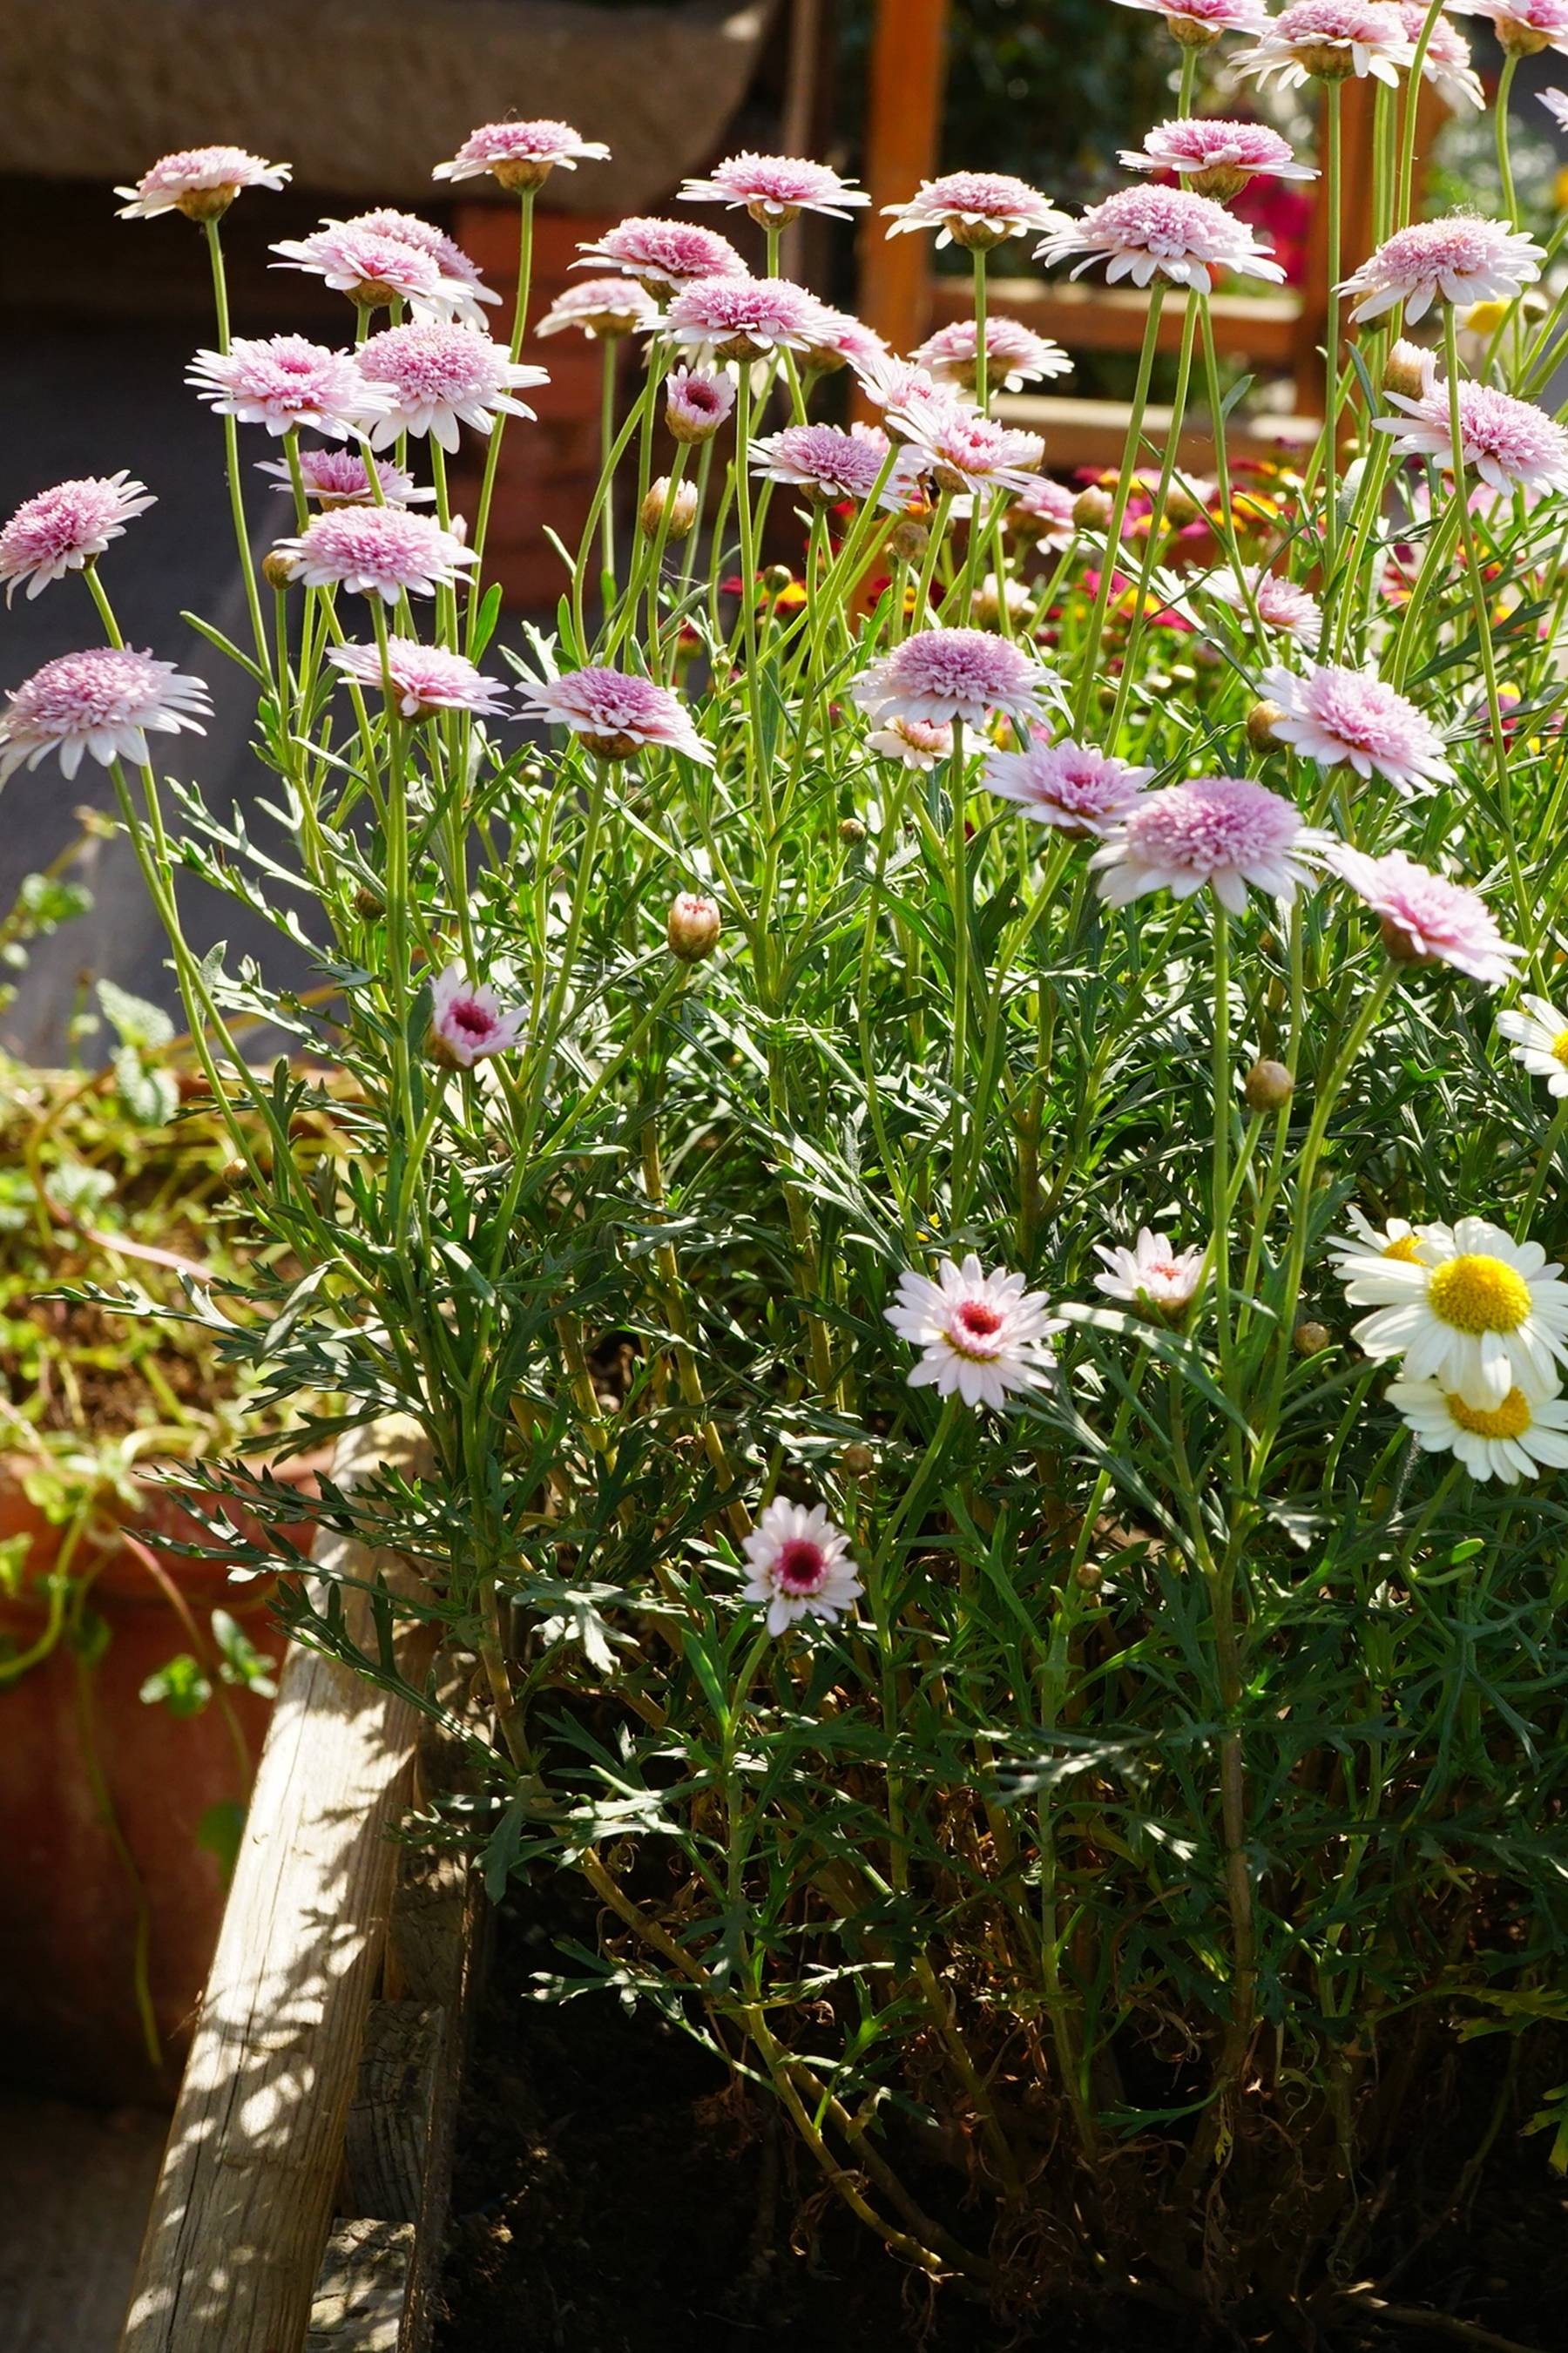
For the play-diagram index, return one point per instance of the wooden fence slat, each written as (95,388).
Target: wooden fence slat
(244,2202)
(361,2296)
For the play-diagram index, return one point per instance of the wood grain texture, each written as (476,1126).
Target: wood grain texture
(362,2295)
(245,2197)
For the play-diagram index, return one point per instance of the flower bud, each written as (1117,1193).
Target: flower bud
(776,578)
(1092,509)
(1408,370)
(908,539)
(1261,721)
(858,1462)
(1267,1086)
(670,504)
(369,903)
(851,830)
(694,926)
(1088,1577)
(233,1177)
(277,568)
(1312,1339)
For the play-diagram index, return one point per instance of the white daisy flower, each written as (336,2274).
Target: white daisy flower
(1358,1251)
(1478,1311)
(1152,1275)
(1512,1441)
(981,1335)
(1540,1036)
(799,1565)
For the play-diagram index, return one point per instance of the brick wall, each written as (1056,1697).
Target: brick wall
(548,468)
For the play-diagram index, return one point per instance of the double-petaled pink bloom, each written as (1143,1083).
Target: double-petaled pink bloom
(200,182)
(1294,612)
(1219,157)
(341,478)
(65,528)
(975,209)
(434,378)
(1524,28)
(101,704)
(743,318)
(1329,40)
(1049,504)
(775,189)
(601,307)
(422,680)
(1509,443)
(384,552)
(1169,232)
(408,228)
(1461,259)
(521,155)
(468,1020)
(1224,833)
(287,383)
(1427,919)
(375,270)
(1329,713)
(824,459)
(1447,63)
(963,451)
(1015,355)
(798,1563)
(948,674)
(664,254)
(1071,787)
(617,714)
(980,1337)
(1197,23)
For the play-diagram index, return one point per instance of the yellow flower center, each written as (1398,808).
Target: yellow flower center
(1477,1293)
(1560,1047)
(1509,1420)
(1404,1250)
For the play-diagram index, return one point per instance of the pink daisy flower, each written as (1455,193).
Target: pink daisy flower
(840,340)
(601,306)
(799,1564)
(433,378)
(64,528)
(1015,355)
(775,189)
(468,1022)
(1427,919)
(1068,785)
(665,255)
(1152,1275)
(917,743)
(946,674)
(617,714)
(1524,28)
(1224,831)
(1218,157)
(1446,64)
(200,182)
(376,270)
(824,459)
(1329,713)
(1294,612)
(1329,40)
(521,154)
(1141,231)
(377,550)
(424,678)
(980,1335)
(1195,22)
(697,405)
(444,251)
(286,382)
(1049,503)
(338,478)
(744,318)
(1462,258)
(963,451)
(1506,441)
(103,703)
(975,209)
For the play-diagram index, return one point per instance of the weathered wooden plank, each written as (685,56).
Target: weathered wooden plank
(393,2113)
(1094,432)
(245,2200)
(361,2295)
(1090,317)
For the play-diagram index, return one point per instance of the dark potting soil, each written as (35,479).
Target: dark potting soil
(616,2193)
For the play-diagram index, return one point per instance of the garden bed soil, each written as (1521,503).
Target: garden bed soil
(614,2193)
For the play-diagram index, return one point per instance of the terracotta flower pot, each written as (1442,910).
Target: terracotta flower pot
(109,1806)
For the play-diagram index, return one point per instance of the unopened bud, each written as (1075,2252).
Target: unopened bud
(277,569)
(858,1462)
(851,830)
(234,1175)
(1260,724)
(694,926)
(369,903)
(671,506)
(1092,509)
(908,539)
(777,578)
(1267,1086)
(1088,1577)
(1312,1339)
(1408,370)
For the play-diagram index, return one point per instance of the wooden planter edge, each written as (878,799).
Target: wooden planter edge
(301,2202)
